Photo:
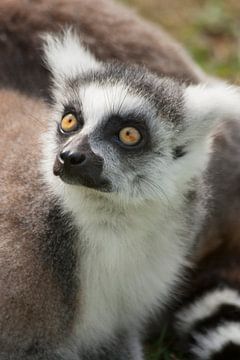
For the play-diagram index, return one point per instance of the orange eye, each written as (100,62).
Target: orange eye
(129,136)
(69,123)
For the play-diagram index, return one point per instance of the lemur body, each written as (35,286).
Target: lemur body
(42,295)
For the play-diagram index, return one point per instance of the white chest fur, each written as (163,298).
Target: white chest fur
(129,262)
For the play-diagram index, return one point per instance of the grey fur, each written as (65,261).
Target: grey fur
(164,93)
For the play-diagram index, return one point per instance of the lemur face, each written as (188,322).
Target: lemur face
(120,129)
(112,133)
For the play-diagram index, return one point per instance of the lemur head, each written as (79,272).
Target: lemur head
(122,130)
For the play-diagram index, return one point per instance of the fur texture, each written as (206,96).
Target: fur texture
(132,40)
(212,301)
(30,290)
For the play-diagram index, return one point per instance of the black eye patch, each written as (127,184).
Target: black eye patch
(70,109)
(178,152)
(115,123)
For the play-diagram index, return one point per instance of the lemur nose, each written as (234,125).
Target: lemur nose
(79,165)
(72,157)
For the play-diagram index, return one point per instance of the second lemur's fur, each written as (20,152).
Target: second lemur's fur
(208,319)
(107,28)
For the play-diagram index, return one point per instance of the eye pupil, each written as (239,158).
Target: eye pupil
(69,123)
(129,136)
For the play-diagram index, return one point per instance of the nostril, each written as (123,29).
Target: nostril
(64,155)
(77,158)
(72,157)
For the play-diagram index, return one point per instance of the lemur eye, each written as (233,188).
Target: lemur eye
(69,123)
(129,136)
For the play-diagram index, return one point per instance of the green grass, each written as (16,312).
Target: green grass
(209,29)
(162,348)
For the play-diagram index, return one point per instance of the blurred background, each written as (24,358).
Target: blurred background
(209,29)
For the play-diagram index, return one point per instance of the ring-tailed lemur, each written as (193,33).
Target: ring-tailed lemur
(106,227)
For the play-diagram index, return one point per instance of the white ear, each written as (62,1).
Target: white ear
(66,56)
(205,106)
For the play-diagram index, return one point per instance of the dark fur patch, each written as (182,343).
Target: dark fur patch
(178,152)
(113,125)
(58,242)
(218,271)
(120,348)
(230,351)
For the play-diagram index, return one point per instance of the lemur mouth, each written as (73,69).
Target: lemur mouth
(57,167)
(78,174)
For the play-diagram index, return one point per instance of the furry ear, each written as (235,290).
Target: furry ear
(205,106)
(66,57)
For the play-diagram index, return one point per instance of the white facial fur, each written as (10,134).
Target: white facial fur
(135,240)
